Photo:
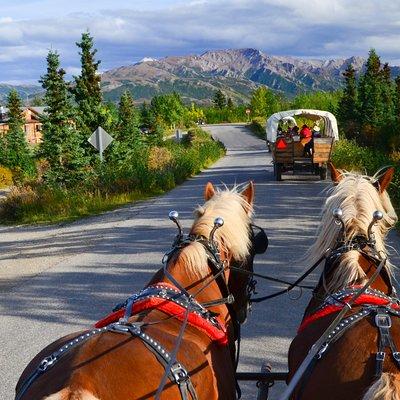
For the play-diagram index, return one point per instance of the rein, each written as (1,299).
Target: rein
(291,285)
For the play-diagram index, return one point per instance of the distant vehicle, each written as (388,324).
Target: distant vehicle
(145,130)
(289,149)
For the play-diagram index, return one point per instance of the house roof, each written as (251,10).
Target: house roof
(4,111)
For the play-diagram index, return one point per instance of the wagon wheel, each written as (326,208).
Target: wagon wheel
(278,171)
(323,172)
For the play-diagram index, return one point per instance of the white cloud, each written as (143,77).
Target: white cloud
(307,28)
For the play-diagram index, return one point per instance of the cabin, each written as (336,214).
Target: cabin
(32,126)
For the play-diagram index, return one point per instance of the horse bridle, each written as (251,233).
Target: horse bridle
(216,264)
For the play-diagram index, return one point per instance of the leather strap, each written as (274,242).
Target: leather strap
(177,373)
(383,322)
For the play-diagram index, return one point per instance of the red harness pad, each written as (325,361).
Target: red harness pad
(364,299)
(171,308)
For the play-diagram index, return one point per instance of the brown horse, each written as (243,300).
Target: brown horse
(359,358)
(129,359)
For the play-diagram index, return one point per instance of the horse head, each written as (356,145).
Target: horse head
(239,240)
(355,220)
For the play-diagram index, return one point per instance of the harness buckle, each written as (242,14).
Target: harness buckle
(380,356)
(396,356)
(46,363)
(179,373)
(230,299)
(383,321)
(322,350)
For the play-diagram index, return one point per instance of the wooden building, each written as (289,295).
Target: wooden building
(32,126)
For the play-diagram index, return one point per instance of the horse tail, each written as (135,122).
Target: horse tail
(387,387)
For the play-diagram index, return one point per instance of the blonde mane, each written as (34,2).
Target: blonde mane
(358,198)
(233,237)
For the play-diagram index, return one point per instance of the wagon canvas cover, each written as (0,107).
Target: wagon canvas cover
(331,129)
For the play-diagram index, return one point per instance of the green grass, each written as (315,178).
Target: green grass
(350,156)
(59,206)
(132,179)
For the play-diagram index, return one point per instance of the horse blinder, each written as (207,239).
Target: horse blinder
(259,240)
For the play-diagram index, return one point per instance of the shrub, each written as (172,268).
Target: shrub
(258,127)
(159,158)
(144,172)
(6,177)
(349,155)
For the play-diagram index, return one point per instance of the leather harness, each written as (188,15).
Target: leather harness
(180,297)
(372,302)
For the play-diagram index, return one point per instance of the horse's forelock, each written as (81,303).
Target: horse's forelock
(233,237)
(358,198)
(234,234)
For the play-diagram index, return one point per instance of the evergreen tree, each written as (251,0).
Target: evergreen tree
(387,92)
(348,107)
(397,101)
(60,146)
(87,90)
(263,102)
(17,154)
(219,99)
(393,136)
(370,95)
(230,104)
(127,135)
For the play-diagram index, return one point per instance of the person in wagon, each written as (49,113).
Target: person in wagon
(316,132)
(305,139)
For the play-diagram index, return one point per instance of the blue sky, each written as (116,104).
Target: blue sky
(126,31)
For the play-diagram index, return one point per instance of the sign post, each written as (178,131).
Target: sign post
(248,111)
(100,140)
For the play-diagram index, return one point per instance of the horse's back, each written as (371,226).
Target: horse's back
(348,366)
(111,366)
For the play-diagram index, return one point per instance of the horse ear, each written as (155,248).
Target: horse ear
(209,191)
(248,193)
(335,174)
(385,179)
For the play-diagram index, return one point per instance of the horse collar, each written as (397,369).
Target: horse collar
(167,298)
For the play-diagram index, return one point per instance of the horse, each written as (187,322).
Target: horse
(176,338)
(358,358)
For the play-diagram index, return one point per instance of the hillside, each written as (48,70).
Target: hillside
(25,91)
(236,72)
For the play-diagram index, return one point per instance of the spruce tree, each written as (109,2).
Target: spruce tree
(17,152)
(370,94)
(219,99)
(394,140)
(397,101)
(348,107)
(387,89)
(60,146)
(127,135)
(87,90)
(230,104)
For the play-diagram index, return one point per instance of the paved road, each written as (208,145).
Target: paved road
(55,280)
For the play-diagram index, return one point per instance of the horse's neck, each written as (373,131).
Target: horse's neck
(369,267)
(193,284)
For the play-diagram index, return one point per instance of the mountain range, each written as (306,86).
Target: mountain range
(237,72)
(25,91)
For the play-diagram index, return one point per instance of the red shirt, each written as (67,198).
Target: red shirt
(305,133)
